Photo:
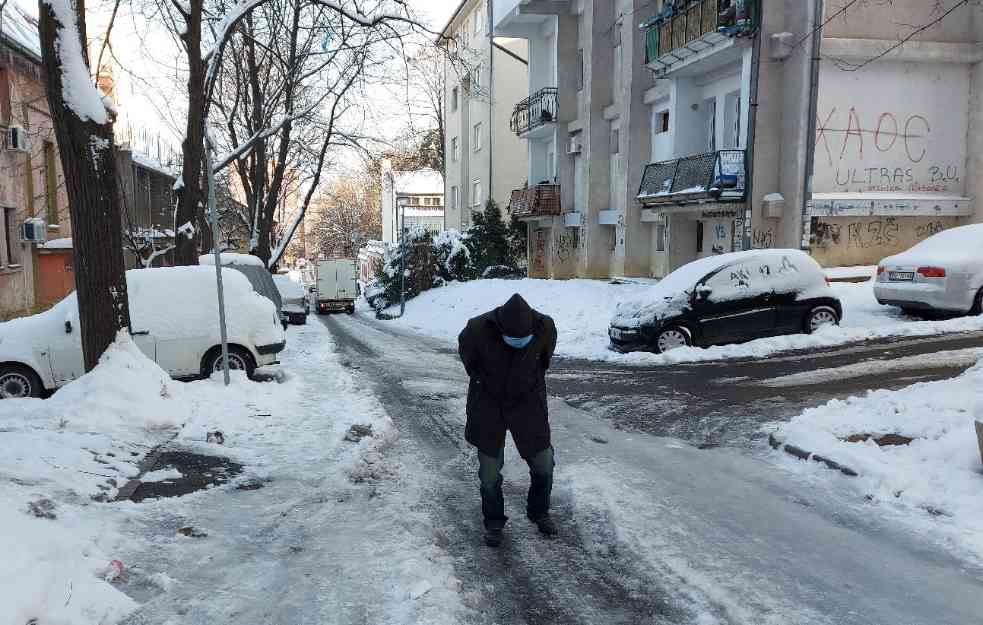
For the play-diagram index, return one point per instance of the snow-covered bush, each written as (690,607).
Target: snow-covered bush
(453,253)
(421,271)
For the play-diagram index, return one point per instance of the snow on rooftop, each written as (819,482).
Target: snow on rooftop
(58,244)
(419,182)
(416,211)
(20,27)
(149,162)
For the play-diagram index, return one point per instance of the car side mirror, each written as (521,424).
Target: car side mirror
(68,327)
(703,293)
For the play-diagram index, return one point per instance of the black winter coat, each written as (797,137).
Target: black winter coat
(508,386)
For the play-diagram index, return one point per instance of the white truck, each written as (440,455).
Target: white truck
(337,286)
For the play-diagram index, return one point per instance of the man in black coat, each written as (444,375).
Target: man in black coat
(506,353)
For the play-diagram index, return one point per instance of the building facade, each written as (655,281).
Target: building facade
(414,197)
(662,132)
(484,158)
(31,185)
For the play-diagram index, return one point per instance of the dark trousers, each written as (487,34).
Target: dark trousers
(540,486)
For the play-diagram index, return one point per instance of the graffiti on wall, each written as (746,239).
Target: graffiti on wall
(882,152)
(565,244)
(872,233)
(763,239)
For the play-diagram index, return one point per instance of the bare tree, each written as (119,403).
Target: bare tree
(84,130)
(346,216)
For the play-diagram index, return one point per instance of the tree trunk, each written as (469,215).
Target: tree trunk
(87,151)
(189,209)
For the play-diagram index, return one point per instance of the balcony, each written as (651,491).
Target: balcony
(542,200)
(694,27)
(711,177)
(534,112)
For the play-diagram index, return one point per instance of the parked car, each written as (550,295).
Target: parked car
(294,299)
(337,285)
(943,273)
(258,275)
(174,320)
(729,298)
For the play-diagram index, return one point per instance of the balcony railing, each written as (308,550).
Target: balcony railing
(692,26)
(537,110)
(541,200)
(711,177)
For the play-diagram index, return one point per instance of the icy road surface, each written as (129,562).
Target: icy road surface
(653,530)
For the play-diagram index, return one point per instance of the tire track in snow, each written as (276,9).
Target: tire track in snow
(530,580)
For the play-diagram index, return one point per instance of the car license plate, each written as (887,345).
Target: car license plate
(901,276)
(619,335)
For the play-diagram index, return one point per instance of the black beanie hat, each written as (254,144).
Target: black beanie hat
(515,318)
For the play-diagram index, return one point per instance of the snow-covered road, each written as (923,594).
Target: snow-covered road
(653,530)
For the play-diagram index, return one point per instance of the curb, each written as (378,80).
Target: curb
(806,455)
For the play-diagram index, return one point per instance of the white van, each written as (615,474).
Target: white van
(174,321)
(337,285)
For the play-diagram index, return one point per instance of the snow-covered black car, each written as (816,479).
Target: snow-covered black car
(729,299)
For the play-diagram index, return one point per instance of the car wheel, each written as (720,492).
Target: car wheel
(350,310)
(819,317)
(18,382)
(978,304)
(672,338)
(239,360)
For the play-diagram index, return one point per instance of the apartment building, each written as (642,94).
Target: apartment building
(484,79)
(662,132)
(412,199)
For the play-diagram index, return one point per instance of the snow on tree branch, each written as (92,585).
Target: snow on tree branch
(80,94)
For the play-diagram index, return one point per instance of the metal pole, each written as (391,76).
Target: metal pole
(402,258)
(491,99)
(213,218)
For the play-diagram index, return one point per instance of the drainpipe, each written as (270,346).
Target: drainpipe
(751,129)
(810,165)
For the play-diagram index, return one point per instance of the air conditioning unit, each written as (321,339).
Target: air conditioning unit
(17,139)
(576,147)
(32,231)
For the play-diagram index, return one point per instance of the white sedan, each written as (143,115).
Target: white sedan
(174,321)
(943,273)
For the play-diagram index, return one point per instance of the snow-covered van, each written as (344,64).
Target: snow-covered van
(174,320)
(337,285)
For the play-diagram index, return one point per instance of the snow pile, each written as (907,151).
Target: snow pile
(54,456)
(935,480)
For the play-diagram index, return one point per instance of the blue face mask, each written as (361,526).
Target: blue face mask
(517,343)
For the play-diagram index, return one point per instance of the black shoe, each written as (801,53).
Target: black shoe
(493,537)
(546,525)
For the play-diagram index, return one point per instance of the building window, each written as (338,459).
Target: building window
(10,232)
(455,150)
(660,237)
(50,184)
(454,198)
(580,72)
(476,79)
(476,142)
(615,140)
(476,194)
(661,123)
(454,99)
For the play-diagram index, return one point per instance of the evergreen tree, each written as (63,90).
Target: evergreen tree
(488,240)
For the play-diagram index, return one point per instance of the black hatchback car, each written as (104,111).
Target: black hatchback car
(729,298)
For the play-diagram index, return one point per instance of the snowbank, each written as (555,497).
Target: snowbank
(935,481)
(583,310)
(56,454)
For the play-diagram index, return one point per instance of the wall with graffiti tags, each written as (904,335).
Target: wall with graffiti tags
(892,127)
(850,241)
